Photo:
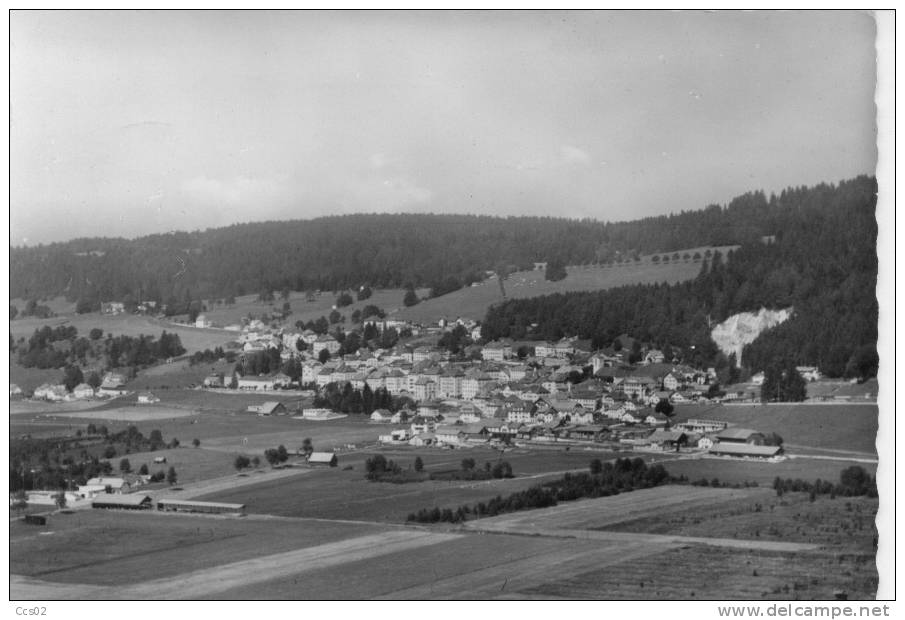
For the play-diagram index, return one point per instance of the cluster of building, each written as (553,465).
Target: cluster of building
(113,384)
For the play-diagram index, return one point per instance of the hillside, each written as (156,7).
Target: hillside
(473,301)
(822,262)
(381,250)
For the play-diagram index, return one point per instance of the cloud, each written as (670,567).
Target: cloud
(574,155)
(232,191)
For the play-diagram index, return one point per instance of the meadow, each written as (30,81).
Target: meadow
(472,302)
(841,427)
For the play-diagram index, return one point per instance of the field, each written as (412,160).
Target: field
(388,300)
(192,339)
(331,534)
(136,413)
(847,428)
(697,573)
(472,302)
(338,494)
(844,523)
(735,471)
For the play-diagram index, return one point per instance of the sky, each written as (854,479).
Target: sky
(129,123)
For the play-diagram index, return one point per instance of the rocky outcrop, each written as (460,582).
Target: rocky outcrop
(740,329)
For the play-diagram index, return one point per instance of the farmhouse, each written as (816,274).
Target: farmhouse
(668,440)
(381,415)
(83,390)
(14,390)
(741,436)
(271,407)
(112,307)
(697,425)
(322,459)
(255,384)
(146,398)
(50,392)
(213,381)
(122,502)
(202,321)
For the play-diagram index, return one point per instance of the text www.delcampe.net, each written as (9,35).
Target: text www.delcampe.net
(803,611)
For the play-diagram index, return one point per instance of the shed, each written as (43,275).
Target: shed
(184,505)
(745,449)
(122,502)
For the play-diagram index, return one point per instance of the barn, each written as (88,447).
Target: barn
(122,502)
(322,459)
(183,505)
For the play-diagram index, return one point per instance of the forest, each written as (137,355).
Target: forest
(821,260)
(441,252)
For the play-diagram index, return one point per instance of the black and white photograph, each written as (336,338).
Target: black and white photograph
(472,305)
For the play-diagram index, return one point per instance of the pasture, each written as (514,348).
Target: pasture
(133,414)
(302,309)
(472,302)
(339,494)
(118,547)
(193,339)
(836,427)
(739,471)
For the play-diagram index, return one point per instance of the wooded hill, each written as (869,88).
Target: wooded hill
(441,252)
(822,262)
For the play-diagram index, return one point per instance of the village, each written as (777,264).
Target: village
(501,393)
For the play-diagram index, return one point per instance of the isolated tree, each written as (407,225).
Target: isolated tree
(255,461)
(665,407)
(241,462)
(410,298)
(307,446)
(60,500)
(72,376)
(196,442)
(468,464)
(171,476)
(323,355)
(555,271)
(125,466)
(364,293)
(419,464)
(13,312)
(109,452)
(143,470)
(94,380)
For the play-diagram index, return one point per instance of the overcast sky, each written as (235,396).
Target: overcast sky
(127,123)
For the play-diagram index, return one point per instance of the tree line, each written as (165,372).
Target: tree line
(441,252)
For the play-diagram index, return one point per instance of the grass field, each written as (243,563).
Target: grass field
(839,427)
(472,302)
(126,324)
(737,471)
(699,573)
(338,494)
(388,300)
(133,414)
(112,547)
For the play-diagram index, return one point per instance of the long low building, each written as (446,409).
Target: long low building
(113,501)
(186,505)
(745,449)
